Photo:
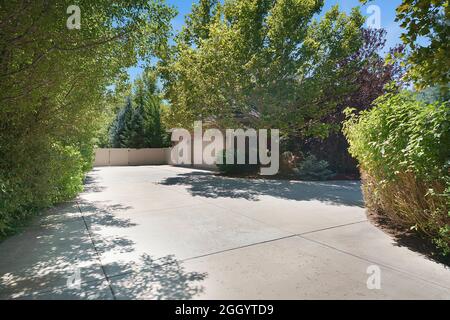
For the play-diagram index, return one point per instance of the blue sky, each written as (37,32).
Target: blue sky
(387,18)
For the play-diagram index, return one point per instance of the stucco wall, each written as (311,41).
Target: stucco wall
(130,157)
(140,157)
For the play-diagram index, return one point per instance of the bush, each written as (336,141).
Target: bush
(235,168)
(288,163)
(50,174)
(52,89)
(312,169)
(403,148)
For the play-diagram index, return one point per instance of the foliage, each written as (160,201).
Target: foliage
(312,169)
(121,126)
(197,23)
(53,82)
(261,64)
(139,124)
(433,94)
(288,162)
(402,145)
(426,19)
(369,83)
(113,102)
(235,168)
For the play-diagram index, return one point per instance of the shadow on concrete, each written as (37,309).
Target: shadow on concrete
(158,279)
(45,255)
(38,262)
(155,279)
(210,185)
(105,215)
(405,237)
(91,183)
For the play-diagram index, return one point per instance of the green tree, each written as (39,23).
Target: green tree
(263,63)
(113,101)
(52,88)
(138,124)
(198,22)
(429,20)
(122,126)
(155,131)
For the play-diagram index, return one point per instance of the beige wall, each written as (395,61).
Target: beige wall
(130,157)
(101,158)
(118,157)
(140,157)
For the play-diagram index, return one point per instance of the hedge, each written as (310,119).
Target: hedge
(403,149)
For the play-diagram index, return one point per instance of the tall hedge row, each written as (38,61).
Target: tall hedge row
(53,80)
(403,148)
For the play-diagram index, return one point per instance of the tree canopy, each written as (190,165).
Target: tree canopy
(53,83)
(281,64)
(262,63)
(139,123)
(426,20)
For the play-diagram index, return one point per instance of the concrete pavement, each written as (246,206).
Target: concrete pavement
(162,232)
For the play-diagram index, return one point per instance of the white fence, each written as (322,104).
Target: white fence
(131,157)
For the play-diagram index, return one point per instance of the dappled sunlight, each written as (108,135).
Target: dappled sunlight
(163,278)
(37,263)
(104,214)
(44,257)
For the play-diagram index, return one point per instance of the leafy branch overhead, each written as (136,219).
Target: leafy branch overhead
(52,90)
(426,20)
(262,63)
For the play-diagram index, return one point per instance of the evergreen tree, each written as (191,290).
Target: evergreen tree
(155,132)
(121,128)
(136,136)
(138,124)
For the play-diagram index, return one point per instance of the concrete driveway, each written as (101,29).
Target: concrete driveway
(161,232)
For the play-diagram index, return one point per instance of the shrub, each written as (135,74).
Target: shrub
(288,162)
(312,169)
(403,148)
(235,168)
(52,89)
(50,173)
